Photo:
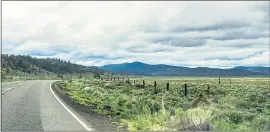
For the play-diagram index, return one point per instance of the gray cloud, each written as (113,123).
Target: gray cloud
(264,8)
(215,34)
(224,25)
(182,42)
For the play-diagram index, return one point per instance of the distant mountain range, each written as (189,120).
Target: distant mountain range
(139,68)
(253,69)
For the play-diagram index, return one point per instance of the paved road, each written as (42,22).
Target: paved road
(32,107)
(10,85)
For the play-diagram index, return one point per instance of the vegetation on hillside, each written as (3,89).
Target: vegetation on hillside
(230,106)
(17,67)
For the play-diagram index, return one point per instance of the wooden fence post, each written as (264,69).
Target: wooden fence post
(208,90)
(118,78)
(168,86)
(219,80)
(143,83)
(155,84)
(134,81)
(185,90)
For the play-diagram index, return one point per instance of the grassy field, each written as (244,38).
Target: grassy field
(234,104)
(223,80)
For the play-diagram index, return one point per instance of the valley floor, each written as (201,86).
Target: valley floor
(209,104)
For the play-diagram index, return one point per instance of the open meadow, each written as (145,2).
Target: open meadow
(177,103)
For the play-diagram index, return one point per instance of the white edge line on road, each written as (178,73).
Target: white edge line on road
(7,89)
(70,112)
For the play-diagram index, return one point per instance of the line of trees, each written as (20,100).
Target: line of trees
(30,64)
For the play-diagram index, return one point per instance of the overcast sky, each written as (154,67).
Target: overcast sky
(212,34)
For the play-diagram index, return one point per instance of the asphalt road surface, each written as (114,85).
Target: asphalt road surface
(32,106)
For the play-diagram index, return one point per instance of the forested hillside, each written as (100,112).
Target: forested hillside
(21,66)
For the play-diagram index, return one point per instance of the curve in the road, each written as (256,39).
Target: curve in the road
(33,107)
(71,113)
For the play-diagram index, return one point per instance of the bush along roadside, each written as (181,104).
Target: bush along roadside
(98,121)
(148,108)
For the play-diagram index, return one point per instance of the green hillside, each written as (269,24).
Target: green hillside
(18,67)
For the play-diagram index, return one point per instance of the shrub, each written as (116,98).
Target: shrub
(88,90)
(96,75)
(139,85)
(93,90)
(127,81)
(158,109)
(108,85)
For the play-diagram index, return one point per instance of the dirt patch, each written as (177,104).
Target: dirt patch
(97,121)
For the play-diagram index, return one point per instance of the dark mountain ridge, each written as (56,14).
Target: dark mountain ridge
(140,68)
(253,69)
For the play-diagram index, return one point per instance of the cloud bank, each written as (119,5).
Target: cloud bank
(213,34)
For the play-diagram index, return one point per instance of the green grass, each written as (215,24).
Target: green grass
(242,104)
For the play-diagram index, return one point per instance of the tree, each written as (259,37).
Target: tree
(40,66)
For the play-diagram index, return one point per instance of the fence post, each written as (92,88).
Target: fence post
(155,84)
(118,78)
(185,90)
(168,86)
(134,81)
(219,80)
(143,83)
(208,90)
(128,80)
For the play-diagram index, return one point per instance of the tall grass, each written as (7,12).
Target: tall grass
(232,106)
